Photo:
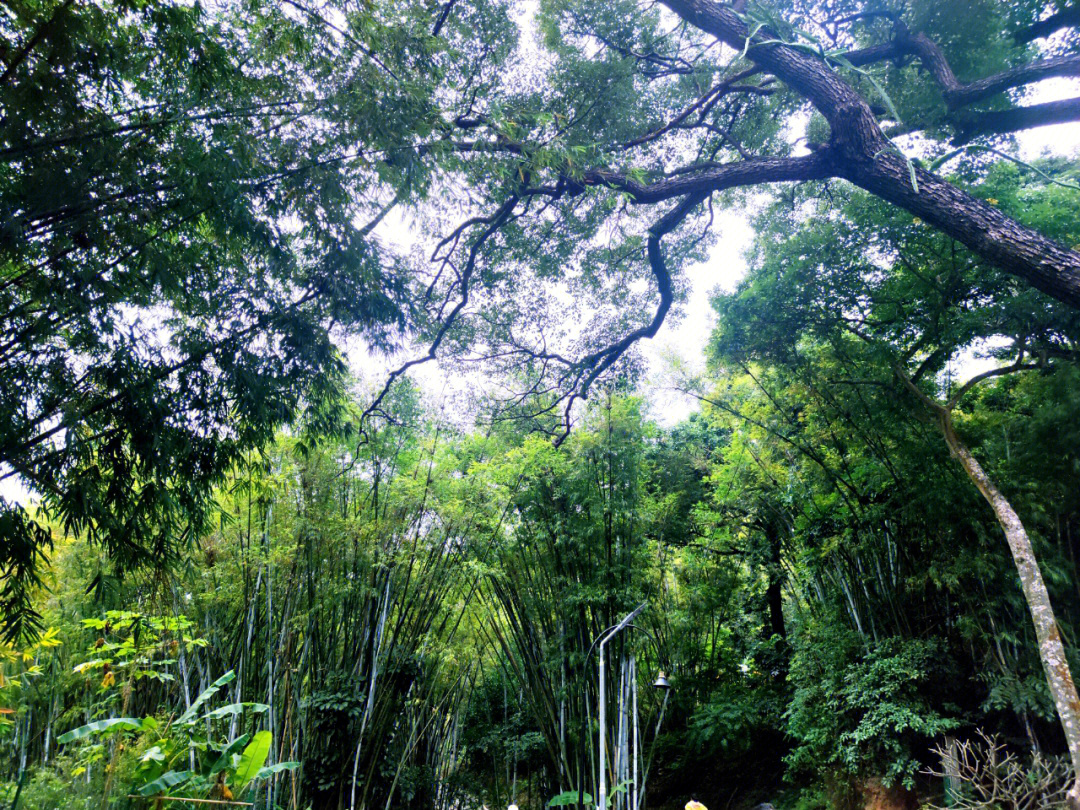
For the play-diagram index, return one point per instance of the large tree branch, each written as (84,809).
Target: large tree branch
(958,94)
(755,171)
(983,228)
(1000,122)
(1065,18)
(1014,77)
(864,156)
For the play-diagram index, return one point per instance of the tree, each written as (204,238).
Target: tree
(189,238)
(897,305)
(189,197)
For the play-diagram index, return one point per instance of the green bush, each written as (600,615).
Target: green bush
(858,712)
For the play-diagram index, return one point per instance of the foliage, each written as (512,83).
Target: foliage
(199,197)
(201,203)
(219,767)
(865,713)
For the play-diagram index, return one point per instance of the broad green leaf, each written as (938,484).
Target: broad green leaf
(225,760)
(167,780)
(207,693)
(270,770)
(99,727)
(253,758)
(235,708)
(569,797)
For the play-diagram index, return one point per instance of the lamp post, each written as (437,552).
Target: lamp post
(661,683)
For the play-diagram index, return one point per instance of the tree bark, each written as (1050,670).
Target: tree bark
(774,595)
(1051,649)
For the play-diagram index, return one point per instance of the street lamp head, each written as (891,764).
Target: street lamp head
(661,681)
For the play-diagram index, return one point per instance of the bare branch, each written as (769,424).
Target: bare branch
(495,221)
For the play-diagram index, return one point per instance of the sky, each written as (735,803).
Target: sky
(682,338)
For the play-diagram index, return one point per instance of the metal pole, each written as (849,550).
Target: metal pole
(601,799)
(634,752)
(602,639)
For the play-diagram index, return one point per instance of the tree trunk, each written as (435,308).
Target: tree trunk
(774,595)
(1051,649)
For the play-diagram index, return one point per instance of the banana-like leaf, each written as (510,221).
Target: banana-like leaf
(235,708)
(225,759)
(193,710)
(99,727)
(270,770)
(253,758)
(167,780)
(569,797)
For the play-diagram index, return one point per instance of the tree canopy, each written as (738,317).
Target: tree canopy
(201,208)
(194,194)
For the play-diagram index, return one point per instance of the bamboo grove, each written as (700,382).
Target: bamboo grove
(413,607)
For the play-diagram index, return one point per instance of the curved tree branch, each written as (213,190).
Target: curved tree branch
(958,94)
(494,222)
(595,364)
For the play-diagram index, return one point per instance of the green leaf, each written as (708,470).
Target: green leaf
(253,758)
(569,797)
(843,60)
(225,759)
(235,708)
(209,692)
(167,780)
(270,770)
(99,727)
